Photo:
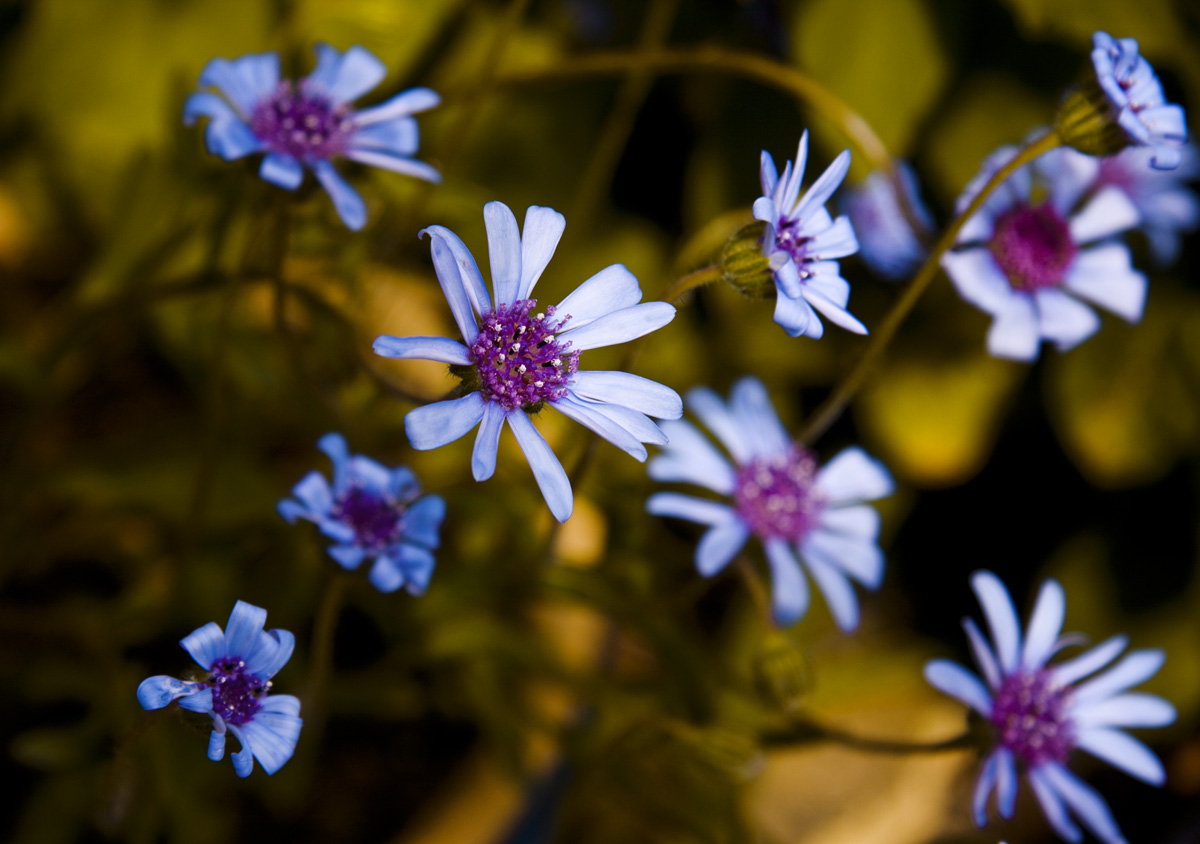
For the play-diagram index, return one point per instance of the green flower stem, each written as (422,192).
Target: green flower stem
(333,598)
(712,59)
(759,593)
(808,732)
(833,406)
(699,278)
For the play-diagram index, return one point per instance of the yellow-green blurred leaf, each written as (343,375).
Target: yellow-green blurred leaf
(869,62)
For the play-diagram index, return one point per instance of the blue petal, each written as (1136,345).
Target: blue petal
(314,493)
(398,137)
(542,231)
(230,139)
(1066,673)
(716,417)
(764,209)
(412,101)
(751,406)
(417,565)
(459,278)
(1136,709)
(719,544)
(1001,617)
(1123,752)
(404,486)
(216,746)
(612,289)
(270,747)
(853,476)
(348,557)
(633,391)
(958,682)
(244,627)
(346,76)
(1044,625)
(592,416)
(334,446)
(858,557)
(349,205)
(157,692)
(504,251)
(200,701)
(838,592)
(768,173)
(487,442)
(395,163)
(282,170)
(208,104)
(443,422)
(245,80)
(789,589)
(1006,782)
(422,348)
(243,760)
(206,644)
(620,326)
(1136,667)
(984,658)
(273,651)
(336,530)
(796,317)
(423,521)
(385,575)
(368,475)
(547,470)
(822,189)
(983,790)
(679,506)
(690,458)
(1086,802)
(860,521)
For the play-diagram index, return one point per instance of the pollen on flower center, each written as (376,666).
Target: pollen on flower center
(775,495)
(236,695)
(520,360)
(1033,246)
(374,518)
(790,239)
(1030,716)
(301,122)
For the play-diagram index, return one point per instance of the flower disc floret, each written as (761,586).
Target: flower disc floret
(302,122)
(520,360)
(236,694)
(775,495)
(1033,246)
(374,517)
(1029,713)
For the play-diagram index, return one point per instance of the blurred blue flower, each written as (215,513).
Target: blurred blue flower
(1039,242)
(518,357)
(1039,712)
(374,512)
(1136,97)
(1168,208)
(241,662)
(801,241)
(779,494)
(887,242)
(306,123)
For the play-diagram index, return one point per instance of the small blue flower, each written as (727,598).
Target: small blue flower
(518,356)
(241,662)
(801,241)
(1168,208)
(372,512)
(888,244)
(1040,243)
(1040,713)
(306,123)
(779,494)
(1136,97)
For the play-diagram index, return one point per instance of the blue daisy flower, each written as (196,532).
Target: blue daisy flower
(307,123)
(778,493)
(1041,712)
(518,356)
(887,241)
(1136,98)
(801,242)
(1167,206)
(372,512)
(240,661)
(1041,243)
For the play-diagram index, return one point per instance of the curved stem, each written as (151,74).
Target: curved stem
(324,630)
(833,406)
(759,593)
(806,732)
(711,59)
(698,278)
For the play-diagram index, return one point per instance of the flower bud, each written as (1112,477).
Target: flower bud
(781,672)
(1087,121)
(743,264)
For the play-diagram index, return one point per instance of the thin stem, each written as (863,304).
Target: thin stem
(324,630)
(757,589)
(698,278)
(712,59)
(807,732)
(833,406)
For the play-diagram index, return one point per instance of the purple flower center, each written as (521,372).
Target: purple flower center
(302,123)
(790,239)
(775,495)
(1033,246)
(236,695)
(1030,716)
(375,518)
(521,363)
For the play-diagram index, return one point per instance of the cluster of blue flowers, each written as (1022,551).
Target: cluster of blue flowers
(1039,247)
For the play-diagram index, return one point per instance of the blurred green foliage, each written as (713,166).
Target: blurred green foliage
(164,377)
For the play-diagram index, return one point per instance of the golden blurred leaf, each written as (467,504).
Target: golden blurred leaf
(935,419)
(874,38)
